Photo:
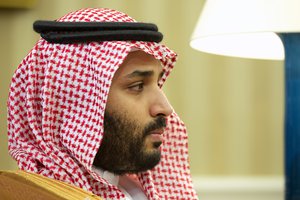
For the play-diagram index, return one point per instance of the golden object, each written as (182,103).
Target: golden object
(21,185)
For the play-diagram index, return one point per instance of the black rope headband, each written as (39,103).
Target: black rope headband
(77,32)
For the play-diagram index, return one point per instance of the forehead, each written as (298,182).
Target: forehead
(138,60)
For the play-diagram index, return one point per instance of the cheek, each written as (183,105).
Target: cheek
(135,108)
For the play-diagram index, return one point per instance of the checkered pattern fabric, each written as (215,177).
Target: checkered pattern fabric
(56,109)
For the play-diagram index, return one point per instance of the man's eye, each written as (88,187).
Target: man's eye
(137,87)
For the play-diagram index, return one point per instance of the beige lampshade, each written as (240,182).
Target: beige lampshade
(245,28)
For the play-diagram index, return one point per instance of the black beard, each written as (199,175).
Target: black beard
(123,148)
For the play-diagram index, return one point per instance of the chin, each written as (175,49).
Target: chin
(151,159)
(148,161)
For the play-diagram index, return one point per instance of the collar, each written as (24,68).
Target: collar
(110,177)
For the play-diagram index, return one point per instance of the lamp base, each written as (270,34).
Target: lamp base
(291,42)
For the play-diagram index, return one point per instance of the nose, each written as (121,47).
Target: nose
(160,105)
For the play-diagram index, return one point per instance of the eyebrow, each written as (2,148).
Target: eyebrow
(139,73)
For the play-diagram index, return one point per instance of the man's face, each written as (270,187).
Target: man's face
(135,117)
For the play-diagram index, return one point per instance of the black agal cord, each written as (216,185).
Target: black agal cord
(77,32)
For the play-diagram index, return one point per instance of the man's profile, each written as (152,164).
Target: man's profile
(133,136)
(92,113)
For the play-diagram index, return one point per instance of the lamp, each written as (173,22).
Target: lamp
(260,29)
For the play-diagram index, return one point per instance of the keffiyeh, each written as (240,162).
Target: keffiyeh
(56,109)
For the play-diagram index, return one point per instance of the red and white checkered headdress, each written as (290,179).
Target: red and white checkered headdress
(56,110)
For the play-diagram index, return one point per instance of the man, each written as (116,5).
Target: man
(92,113)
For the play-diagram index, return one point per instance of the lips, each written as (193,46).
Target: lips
(157,131)
(157,136)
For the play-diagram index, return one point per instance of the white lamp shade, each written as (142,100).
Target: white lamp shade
(246,28)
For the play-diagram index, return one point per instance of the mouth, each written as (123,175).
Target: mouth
(156,137)
(159,131)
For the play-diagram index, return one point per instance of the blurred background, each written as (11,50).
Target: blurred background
(233,107)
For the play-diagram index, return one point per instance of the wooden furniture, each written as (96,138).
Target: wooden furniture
(21,185)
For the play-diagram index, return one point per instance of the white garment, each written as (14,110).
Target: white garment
(128,186)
